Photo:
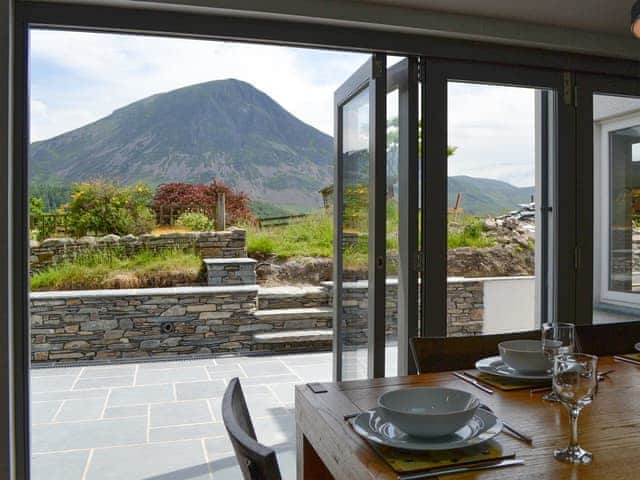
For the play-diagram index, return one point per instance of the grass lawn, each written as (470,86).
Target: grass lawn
(113,269)
(312,236)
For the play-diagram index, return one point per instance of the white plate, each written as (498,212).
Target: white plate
(482,427)
(495,366)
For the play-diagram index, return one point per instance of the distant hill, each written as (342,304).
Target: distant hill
(224,129)
(485,196)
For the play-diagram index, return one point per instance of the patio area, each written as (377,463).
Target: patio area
(161,420)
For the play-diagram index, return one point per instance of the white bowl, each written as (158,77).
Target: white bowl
(428,411)
(524,355)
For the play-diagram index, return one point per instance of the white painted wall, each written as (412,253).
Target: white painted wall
(509,304)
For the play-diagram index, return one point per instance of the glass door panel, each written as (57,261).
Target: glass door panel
(355,160)
(490,222)
(375,294)
(497,208)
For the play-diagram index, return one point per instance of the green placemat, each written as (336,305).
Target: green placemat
(406,462)
(631,356)
(505,383)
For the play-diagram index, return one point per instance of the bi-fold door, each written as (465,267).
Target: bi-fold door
(376,211)
(422,149)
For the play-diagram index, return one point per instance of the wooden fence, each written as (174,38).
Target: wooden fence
(279,221)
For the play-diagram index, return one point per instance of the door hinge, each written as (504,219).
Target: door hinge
(419,262)
(577,258)
(378,67)
(420,70)
(570,90)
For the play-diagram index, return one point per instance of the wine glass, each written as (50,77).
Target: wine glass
(557,339)
(575,378)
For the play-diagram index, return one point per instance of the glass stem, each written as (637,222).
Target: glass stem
(573,418)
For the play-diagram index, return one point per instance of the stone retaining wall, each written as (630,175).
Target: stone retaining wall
(230,243)
(235,271)
(465,308)
(355,303)
(121,324)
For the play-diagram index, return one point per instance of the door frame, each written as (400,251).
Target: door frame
(372,75)
(435,218)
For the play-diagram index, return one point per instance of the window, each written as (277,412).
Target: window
(616,206)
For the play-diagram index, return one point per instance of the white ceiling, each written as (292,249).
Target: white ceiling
(606,16)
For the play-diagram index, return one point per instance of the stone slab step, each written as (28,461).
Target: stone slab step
(294,313)
(317,340)
(270,298)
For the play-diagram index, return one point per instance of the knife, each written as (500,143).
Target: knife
(473,382)
(462,469)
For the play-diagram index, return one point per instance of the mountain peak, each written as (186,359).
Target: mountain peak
(225,129)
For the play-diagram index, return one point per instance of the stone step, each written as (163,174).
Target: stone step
(316,340)
(270,298)
(295,318)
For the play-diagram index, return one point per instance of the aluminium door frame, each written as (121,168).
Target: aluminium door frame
(437,73)
(372,75)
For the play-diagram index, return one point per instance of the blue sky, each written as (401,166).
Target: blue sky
(79,77)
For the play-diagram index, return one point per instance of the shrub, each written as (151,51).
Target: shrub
(103,207)
(195,221)
(200,195)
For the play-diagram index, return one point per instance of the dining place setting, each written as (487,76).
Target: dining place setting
(428,432)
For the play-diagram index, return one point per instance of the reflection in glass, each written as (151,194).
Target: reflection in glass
(355,230)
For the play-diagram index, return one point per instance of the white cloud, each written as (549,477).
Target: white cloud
(79,77)
(85,76)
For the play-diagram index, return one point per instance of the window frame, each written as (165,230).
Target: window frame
(602,130)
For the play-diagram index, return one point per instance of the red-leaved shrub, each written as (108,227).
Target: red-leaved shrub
(200,195)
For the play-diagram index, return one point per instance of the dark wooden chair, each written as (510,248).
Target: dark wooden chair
(441,354)
(608,339)
(457,353)
(257,462)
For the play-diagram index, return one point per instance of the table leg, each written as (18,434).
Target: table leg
(308,463)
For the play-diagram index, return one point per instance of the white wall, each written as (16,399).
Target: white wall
(509,304)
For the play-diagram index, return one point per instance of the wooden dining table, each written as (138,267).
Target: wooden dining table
(328,446)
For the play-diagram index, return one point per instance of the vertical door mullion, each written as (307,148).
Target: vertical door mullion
(338,199)
(565,206)
(584,226)
(408,217)
(434,204)
(377,215)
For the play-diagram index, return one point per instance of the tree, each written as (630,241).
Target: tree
(203,196)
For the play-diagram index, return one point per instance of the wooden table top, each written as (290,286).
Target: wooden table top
(609,427)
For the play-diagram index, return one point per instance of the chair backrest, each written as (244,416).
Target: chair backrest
(441,354)
(608,339)
(257,462)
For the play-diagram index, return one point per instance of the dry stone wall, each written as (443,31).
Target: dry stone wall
(121,324)
(230,243)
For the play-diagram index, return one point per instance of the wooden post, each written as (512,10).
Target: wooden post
(220,212)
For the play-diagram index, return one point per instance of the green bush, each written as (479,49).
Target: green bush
(104,207)
(195,221)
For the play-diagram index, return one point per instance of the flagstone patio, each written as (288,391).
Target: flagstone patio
(161,420)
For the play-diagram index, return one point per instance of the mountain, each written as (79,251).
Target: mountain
(485,196)
(224,129)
